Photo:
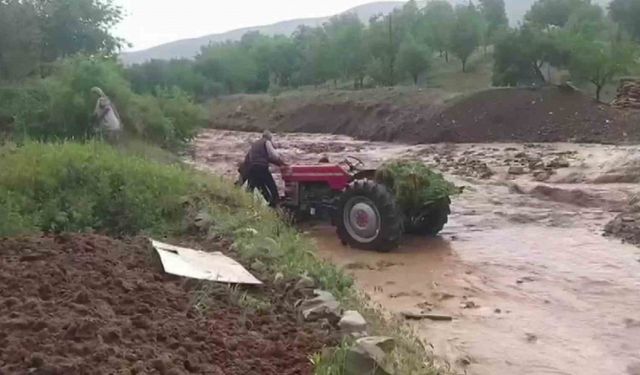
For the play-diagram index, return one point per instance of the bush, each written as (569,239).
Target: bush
(61,105)
(74,187)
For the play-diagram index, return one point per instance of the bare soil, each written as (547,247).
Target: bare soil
(498,115)
(88,304)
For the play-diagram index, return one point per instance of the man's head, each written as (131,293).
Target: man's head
(267,135)
(97,91)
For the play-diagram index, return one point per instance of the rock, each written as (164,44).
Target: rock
(468,305)
(531,337)
(368,356)
(542,176)
(497,311)
(305,282)
(516,170)
(558,163)
(278,277)
(386,344)
(352,322)
(324,305)
(360,361)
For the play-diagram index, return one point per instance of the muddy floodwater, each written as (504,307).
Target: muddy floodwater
(523,269)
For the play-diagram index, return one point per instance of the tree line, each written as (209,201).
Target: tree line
(390,49)
(593,44)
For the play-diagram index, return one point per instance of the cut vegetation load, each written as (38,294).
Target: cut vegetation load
(422,195)
(371,209)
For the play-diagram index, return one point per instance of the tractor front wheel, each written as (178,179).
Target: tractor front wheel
(368,217)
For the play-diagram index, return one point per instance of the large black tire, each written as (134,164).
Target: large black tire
(434,220)
(362,202)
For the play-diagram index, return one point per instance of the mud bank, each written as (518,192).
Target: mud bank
(530,283)
(413,117)
(87,304)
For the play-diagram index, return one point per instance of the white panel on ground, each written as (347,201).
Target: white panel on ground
(181,261)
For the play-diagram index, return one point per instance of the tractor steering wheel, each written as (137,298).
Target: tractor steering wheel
(353,166)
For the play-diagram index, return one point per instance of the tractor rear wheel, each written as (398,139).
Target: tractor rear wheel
(432,221)
(368,217)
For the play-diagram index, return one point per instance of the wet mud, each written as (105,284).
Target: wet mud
(523,269)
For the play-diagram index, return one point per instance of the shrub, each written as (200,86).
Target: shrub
(61,105)
(74,187)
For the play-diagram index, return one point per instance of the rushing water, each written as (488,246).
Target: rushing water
(532,285)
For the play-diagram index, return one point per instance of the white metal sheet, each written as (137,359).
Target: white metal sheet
(181,261)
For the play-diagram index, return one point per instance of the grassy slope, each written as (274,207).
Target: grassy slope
(74,187)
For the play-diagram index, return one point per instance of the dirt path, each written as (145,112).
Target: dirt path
(532,285)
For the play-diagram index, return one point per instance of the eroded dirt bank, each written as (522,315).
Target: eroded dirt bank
(549,114)
(532,285)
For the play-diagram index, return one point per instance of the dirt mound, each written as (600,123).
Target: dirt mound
(87,304)
(498,115)
(527,115)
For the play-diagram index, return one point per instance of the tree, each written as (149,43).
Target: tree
(319,61)
(627,14)
(227,64)
(383,43)
(599,62)
(347,41)
(587,20)
(520,55)
(436,25)
(413,59)
(37,31)
(495,16)
(19,51)
(72,26)
(546,13)
(466,33)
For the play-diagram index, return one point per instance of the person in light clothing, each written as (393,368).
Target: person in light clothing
(106,117)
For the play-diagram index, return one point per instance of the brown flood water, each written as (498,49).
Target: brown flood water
(532,285)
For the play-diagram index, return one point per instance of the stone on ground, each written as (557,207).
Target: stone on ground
(323,306)
(352,322)
(368,356)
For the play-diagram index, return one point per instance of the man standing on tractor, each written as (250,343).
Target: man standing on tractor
(256,167)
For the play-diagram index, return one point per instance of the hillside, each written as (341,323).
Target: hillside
(188,48)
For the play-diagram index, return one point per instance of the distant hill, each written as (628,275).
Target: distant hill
(188,48)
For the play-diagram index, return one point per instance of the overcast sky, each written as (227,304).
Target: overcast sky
(152,22)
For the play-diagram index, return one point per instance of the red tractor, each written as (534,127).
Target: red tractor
(364,211)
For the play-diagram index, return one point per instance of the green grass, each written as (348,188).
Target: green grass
(93,187)
(448,76)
